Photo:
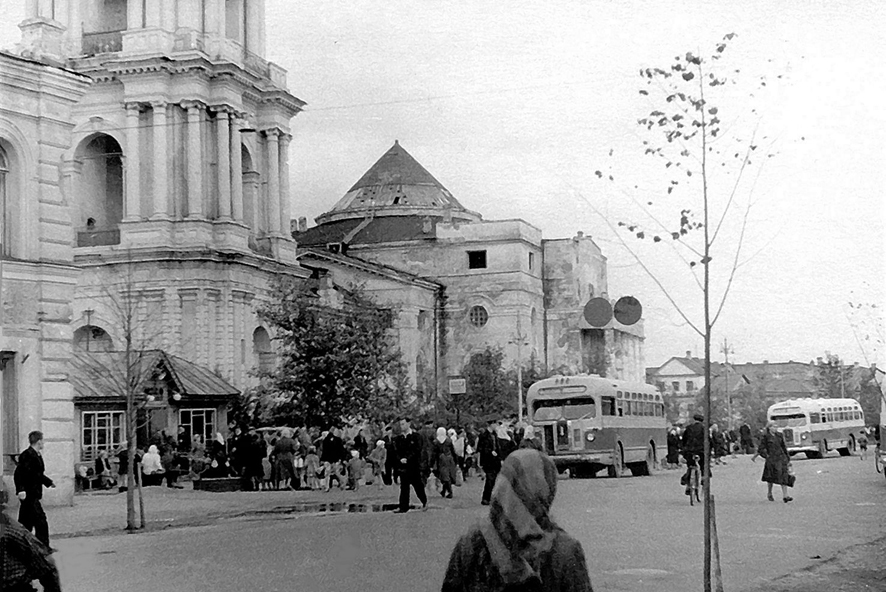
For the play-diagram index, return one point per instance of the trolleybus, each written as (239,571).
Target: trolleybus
(817,426)
(587,422)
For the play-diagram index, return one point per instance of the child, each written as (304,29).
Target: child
(355,470)
(863,442)
(378,457)
(312,467)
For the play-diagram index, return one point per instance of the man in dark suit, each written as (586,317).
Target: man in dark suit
(408,452)
(490,459)
(24,558)
(29,480)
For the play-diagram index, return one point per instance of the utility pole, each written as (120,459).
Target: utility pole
(726,351)
(518,340)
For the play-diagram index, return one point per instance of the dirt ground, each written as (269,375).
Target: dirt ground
(860,568)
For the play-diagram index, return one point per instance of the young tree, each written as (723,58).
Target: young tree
(336,363)
(833,379)
(125,370)
(707,156)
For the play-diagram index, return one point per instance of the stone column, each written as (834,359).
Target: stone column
(168,15)
(250,199)
(236,169)
(133,174)
(224,164)
(195,159)
(273,206)
(32,9)
(161,161)
(285,205)
(134,15)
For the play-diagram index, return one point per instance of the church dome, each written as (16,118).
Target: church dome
(397,185)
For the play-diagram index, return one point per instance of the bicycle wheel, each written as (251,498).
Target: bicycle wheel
(877,463)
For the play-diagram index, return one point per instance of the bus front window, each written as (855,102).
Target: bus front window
(789,421)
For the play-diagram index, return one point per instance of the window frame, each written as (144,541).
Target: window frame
(89,452)
(209,434)
(474,320)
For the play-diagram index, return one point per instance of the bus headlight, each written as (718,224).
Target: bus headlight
(804,436)
(590,436)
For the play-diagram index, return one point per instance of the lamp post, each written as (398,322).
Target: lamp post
(519,340)
(726,351)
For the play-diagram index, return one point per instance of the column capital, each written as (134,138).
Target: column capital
(159,104)
(219,109)
(133,106)
(285,138)
(191,104)
(273,133)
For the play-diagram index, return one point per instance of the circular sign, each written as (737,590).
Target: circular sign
(628,310)
(598,312)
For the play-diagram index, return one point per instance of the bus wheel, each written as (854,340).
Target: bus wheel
(822,448)
(617,469)
(849,448)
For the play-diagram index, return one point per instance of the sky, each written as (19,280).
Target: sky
(515,106)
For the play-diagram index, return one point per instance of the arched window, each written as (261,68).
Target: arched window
(99,192)
(265,359)
(90,338)
(6,217)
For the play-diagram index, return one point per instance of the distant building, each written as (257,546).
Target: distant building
(462,283)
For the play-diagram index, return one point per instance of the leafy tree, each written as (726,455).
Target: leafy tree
(833,379)
(750,405)
(489,391)
(336,362)
(869,397)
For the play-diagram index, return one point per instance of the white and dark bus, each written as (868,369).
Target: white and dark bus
(586,423)
(817,426)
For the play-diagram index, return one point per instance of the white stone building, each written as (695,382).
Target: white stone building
(162,161)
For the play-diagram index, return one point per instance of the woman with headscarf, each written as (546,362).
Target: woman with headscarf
(152,467)
(778,462)
(443,460)
(528,440)
(519,546)
(505,443)
(458,444)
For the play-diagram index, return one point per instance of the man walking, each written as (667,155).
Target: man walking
(29,480)
(490,459)
(408,451)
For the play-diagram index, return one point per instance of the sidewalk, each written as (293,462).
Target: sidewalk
(104,512)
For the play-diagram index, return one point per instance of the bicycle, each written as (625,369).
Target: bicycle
(692,487)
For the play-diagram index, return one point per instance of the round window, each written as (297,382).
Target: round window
(478,316)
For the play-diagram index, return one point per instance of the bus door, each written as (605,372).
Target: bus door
(562,435)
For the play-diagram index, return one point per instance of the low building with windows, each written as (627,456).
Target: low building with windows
(462,283)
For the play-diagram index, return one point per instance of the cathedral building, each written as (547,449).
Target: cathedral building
(461,283)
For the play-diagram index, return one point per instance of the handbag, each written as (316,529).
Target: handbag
(792,478)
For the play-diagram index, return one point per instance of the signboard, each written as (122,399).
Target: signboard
(598,312)
(458,386)
(628,310)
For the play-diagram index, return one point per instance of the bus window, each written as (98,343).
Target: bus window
(579,408)
(607,405)
(814,417)
(618,394)
(792,420)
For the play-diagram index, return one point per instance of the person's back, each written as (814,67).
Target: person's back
(693,438)
(519,547)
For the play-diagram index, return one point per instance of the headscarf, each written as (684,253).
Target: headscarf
(441,435)
(219,438)
(528,432)
(519,528)
(451,433)
(502,432)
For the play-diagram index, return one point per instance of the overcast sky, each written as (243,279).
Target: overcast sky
(514,105)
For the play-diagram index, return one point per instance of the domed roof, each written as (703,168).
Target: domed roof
(396,185)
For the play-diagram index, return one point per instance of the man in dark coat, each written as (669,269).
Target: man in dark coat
(408,453)
(30,478)
(747,441)
(490,459)
(427,440)
(693,445)
(334,454)
(23,558)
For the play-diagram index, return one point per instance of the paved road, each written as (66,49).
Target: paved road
(639,534)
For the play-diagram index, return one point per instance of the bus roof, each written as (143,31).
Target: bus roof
(814,404)
(560,385)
